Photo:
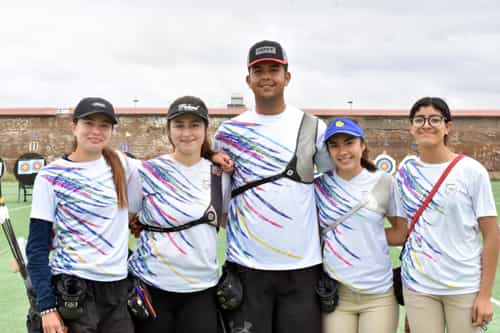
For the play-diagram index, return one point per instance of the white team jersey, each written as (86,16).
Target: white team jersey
(356,252)
(443,253)
(91,232)
(166,194)
(272,226)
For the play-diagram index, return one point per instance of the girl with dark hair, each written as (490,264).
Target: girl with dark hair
(179,267)
(355,252)
(84,196)
(447,272)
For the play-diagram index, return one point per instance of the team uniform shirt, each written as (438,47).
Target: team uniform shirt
(443,253)
(169,194)
(272,226)
(355,253)
(91,232)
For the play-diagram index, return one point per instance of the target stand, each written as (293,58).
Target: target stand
(2,170)
(26,168)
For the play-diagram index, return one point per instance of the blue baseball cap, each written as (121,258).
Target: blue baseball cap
(345,126)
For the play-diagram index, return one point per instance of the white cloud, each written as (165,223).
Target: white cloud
(380,54)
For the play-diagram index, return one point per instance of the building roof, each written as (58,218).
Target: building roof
(234,111)
(28,111)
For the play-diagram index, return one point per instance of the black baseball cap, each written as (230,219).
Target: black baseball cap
(266,50)
(93,105)
(188,105)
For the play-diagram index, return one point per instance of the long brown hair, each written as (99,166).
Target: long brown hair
(366,162)
(117,170)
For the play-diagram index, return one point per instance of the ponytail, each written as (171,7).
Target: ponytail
(206,148)
(118,172)
(365,159)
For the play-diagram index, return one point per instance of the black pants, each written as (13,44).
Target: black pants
(276,302)
(181,312)
(105,309)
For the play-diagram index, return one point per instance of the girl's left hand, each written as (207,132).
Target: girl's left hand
(135,226)
(482,311)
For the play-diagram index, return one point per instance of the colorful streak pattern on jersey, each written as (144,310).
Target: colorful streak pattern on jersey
(167,192)
(333,202)
(256,156)
(413,187)
(81,213)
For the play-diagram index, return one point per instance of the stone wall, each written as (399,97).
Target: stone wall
(144,136)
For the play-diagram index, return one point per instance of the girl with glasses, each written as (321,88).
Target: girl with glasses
(447,270)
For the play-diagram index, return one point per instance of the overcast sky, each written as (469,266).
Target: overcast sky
(377,53)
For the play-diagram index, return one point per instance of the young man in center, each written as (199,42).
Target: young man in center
(272,230)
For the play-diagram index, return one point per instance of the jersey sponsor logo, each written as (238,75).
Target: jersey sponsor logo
(205,184)
(450,188)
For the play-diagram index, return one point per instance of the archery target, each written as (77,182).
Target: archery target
(385,163)
(27,167)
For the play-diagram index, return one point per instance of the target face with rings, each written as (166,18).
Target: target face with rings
(26,167)
(385,163)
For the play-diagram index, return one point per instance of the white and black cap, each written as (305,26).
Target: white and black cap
(188,105)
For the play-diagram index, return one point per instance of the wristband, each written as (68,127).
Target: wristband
(44,312)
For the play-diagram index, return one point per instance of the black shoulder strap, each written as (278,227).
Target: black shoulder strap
(212,214)
(301,164)
(208,217)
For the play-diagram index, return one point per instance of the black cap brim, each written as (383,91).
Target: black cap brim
(114,121)
(178,114)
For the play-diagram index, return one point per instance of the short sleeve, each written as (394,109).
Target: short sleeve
(43,203)
(483,201)
(322,159)
(134,186)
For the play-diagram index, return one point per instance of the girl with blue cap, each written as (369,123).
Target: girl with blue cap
(353,200)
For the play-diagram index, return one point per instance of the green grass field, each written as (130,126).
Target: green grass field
(13,302)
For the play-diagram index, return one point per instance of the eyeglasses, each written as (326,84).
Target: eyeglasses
(433,121)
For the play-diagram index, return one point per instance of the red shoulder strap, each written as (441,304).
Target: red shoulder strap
(433,191)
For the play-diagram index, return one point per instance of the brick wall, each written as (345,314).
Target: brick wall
(478,137)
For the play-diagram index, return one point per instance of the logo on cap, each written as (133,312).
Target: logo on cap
(188,107)
(339,123)
(99,105)
(265,49)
